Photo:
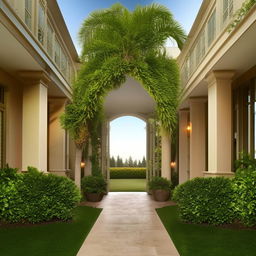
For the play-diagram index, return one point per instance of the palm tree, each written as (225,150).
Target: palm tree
(117,42)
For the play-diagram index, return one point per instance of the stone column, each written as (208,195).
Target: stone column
(34,120)
(166,156)
(57,138)
(219,123)
(197,137)
(183,146)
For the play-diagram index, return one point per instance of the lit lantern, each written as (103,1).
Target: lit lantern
(189,128)
(82,164)
(172,164)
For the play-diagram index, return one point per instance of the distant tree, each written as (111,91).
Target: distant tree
(135,163)
(130,162)
(112,162)
(119,162)
(143,163)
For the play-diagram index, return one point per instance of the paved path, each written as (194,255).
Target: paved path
(128,226)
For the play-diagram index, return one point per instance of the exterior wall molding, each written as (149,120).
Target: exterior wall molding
(214,76)
(33,77)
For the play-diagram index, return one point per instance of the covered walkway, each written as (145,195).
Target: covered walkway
(128,225)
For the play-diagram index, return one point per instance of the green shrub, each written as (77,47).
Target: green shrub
(127,173)
(35,196)
(205,200)
(47,196)
(245,161)
(10,201)
(159,183)
(244,196)
(93,184)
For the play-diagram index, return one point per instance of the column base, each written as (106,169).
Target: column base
(64,173)
(219,174)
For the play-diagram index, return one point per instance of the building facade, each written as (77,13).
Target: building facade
(37,64)
(218,69)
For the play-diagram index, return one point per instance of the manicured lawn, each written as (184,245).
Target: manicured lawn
(57,239)
(127,185)
(197,240)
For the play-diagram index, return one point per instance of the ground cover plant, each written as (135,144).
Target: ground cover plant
(55,239)
(127,173)
(36,197)
(202,240)
(127,185)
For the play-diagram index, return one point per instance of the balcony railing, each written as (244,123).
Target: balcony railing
(33,14)
(215,21)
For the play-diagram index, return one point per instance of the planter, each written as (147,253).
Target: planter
(161,195)
(94,197)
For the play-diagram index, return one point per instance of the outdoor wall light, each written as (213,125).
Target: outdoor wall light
(173,164)
(82,164)
(189,128)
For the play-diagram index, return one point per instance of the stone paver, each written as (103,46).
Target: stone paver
(130,226)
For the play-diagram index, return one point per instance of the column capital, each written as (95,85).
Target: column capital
(214,76)
(198,99)
(184,110)
(33,77)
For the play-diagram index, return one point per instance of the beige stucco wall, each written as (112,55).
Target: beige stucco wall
(13,99)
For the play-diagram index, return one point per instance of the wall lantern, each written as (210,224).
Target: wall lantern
(173,164)
(189,128)
(82,164)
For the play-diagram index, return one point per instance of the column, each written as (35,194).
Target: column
(183,146)
(197,153)
(34,120)
(57,138)
(166,155)
(219,123)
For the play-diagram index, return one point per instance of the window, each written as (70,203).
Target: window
(57,53)
(63,63)
(211,28)
(227,10)
(49,39)
(28,13)
(201,45)
(2,138)
(41,23)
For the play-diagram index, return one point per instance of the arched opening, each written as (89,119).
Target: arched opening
(128,153)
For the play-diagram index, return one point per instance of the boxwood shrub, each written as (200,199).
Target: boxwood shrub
(127,173)
(36,197)
(244,196)
(205,200)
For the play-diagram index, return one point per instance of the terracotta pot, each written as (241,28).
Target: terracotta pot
(161,195)
(94,197)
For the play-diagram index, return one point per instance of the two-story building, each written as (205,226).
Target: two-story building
(37,64)
(218,68)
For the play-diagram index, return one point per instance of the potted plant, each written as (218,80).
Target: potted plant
(160,188)
(94,187)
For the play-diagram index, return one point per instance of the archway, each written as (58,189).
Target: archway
(131,99)
(128,163)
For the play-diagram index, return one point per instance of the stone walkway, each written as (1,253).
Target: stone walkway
(130,226)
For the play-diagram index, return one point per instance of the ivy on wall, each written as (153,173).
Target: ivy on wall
(241,13)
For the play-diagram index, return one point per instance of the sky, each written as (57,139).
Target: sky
(128,134)
(128,138)
(75,11)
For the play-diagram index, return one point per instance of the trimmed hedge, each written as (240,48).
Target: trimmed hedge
(205,200)
(127,173)
(35,196)
(244,196)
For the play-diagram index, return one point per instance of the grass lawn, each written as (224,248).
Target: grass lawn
(127,185)
(198,240)
(57,239)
